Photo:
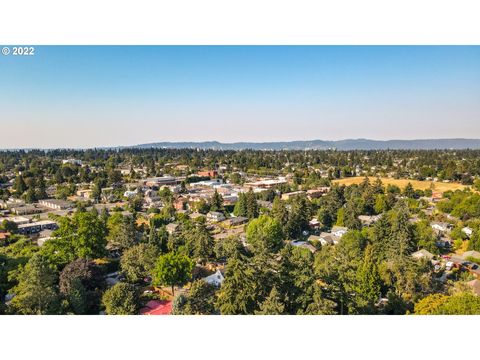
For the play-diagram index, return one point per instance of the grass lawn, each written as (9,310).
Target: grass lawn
(401,183)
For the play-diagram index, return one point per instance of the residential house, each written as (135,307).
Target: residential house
(215,279)
(304,245)
(290,195)
(440,226)
(151,196)
(215,216)
(72,162)
(467,231)
(196,215)
(444,243)
(236,221)
(85,193)
(172,228)
(324,238)
(368,220)
(314,223)
(339,231)
(317,193)
(265,204)
(423,254)
(180,203)
(157,307)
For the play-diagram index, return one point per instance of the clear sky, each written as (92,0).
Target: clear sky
(104,96)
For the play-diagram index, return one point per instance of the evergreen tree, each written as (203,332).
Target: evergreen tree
(279,211)
(272,305)
(252,205)
(409,191)
(401,242)
(36,292)
(216,203)
(200,300)
(238,292)
(368,282)
(240,208)
(320,305)
(20,186)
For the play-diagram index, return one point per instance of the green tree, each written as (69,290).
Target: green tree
(172,269)
(320,305)
(229,247)
(296,278)
(252,205)
(464,303)
(240,208)
(20,186)
(121,231)
(198,241)
(81,284)
(430,304)
(474,242)
(279,211)
(139,261)
(36,292)
(381,204)
(200,300)
(272,305)
(265,234)
(9,226)
(216,203)
(298,218)
(239,289)
(82,236)
(409,191)
(425,237)
(368,282)
(121,299)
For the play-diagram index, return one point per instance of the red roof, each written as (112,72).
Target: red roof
(157,307)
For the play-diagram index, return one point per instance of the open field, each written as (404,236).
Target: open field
(401,183)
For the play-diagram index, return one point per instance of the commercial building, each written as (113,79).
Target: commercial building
(36,227)
(56,204)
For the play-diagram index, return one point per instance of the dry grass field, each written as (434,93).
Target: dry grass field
(401,183)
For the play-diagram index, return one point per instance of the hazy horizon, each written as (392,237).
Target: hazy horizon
(106,96)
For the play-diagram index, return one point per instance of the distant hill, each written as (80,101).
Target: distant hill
(349,144)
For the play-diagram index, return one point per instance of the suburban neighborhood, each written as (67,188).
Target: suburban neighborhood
(239,232)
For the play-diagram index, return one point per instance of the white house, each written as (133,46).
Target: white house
(440,226)
(467,231)
(215,279)
(130,193)
(420,254)
(215,216)
(339,231)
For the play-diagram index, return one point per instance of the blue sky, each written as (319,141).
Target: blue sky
(102,96)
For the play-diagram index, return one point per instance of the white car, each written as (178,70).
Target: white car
(449,265)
